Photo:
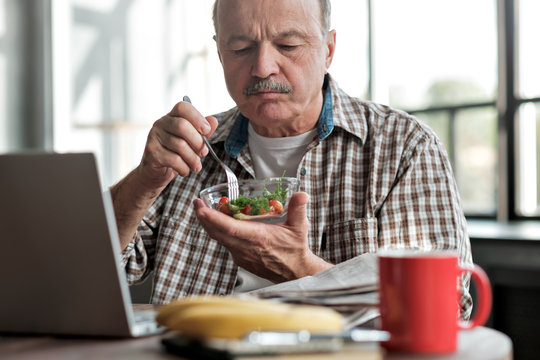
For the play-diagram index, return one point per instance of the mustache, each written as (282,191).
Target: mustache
(267,84)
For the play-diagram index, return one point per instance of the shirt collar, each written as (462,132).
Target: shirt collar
(325,124)
(348,113)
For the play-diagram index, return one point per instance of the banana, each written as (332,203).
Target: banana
(168,312)
(232,318)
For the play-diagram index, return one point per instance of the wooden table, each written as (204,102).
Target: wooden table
(480,343)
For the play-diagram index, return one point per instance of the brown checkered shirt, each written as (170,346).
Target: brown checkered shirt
(377,178)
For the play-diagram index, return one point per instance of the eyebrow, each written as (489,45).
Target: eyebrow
(235,38)
(284,34)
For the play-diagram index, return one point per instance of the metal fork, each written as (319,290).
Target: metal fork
(232,181)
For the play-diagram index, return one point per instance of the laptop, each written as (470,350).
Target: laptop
(60,257)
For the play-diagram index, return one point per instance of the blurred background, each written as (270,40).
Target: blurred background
(93,75)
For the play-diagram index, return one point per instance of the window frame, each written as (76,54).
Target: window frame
(507,106)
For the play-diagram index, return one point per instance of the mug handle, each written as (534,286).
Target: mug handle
(484,300)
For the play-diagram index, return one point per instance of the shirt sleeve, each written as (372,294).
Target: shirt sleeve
(423,208)
(139,256)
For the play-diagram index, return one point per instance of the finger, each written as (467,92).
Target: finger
(296,212)
(158,158)
(213,124)
(180,136)
(212,220)
(175,150)
(187,111)
(199,203)
(177,125)
(223,228)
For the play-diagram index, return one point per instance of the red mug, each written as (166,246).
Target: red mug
(419,300)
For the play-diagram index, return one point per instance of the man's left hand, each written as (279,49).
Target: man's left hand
(277,252)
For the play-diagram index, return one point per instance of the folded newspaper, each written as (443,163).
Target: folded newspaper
(350,287)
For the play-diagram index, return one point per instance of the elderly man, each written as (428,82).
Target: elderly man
(371,176)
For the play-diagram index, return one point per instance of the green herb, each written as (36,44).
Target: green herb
(241,201)
(259,204)
(278,194)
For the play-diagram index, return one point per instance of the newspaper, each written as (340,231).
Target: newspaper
(350,287)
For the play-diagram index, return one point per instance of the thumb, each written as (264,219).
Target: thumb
(213,124)
(296,212)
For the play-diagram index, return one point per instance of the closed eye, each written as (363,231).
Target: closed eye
(288,47)
(241,51)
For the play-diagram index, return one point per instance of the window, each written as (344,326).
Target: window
(120,65)
(25,96)
(469,69)
(527,110)
(3,80)
(350,66)
(528,159)
(434,53)
(528,50)
(11,88)
(446,74)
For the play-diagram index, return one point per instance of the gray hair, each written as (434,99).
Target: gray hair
(326,13)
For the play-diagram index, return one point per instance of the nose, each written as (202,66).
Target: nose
(265,62)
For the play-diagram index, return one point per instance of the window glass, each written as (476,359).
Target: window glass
(3,116)
(528,160)
(3,80)
(529,51)
(469,136)
(439,121)
(11,67)
(350,66)
(120,65)
(434,52)
(476,160)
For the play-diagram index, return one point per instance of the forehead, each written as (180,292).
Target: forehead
(266,18)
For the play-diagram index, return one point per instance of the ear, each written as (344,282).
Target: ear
(330,48)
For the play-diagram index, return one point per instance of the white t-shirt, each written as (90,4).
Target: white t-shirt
(272,156)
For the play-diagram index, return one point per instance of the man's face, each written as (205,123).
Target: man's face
(278,42)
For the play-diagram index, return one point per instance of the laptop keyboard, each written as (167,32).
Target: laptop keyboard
(145,316)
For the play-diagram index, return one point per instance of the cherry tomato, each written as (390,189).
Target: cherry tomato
(246,210)
(223,206)
(275,206)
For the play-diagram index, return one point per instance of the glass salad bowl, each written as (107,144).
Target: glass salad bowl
(263,200)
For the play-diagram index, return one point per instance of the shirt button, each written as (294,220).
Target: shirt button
(324,127)
(303,171)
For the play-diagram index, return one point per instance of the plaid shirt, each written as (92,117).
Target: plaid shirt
(377,178)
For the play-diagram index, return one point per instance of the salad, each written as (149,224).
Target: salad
(249,208)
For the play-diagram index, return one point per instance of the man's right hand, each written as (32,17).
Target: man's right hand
(173,147)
